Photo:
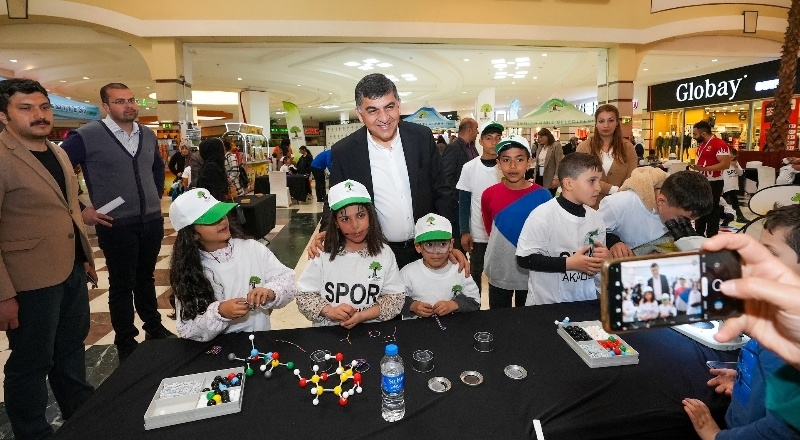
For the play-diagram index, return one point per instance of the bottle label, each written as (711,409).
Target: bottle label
(393,384)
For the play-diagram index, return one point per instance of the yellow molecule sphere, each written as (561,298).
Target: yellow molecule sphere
(337,390)
(275,363)
(315,378)
(342,377)
(320,390)
(348,373)
(217,398)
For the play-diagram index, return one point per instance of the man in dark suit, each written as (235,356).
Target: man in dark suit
(398,163)
(455,155)
(659,282)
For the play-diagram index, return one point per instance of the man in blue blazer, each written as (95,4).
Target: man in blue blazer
(398,163)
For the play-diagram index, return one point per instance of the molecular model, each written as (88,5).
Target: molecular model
(271,359)
(344,376)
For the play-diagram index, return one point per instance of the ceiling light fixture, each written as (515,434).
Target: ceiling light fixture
(352,64)
(645,69)
(466,59)
(238,79)
(13,61)
(714,60)
(85,77)
(371,61)
(544,54)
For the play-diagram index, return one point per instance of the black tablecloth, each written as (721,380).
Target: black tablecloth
(298,186)
(259,213)
(261,185)
(572,400)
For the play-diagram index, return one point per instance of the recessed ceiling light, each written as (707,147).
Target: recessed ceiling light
(148,88)
(13,61)
(466,59)
(384,64)
(371,61)
(410,79)
(366,67)
(523,64)
(85,101)
(280,113)
(535,77)
(500,61)
(645,69)
(238,79)
(500,66)
(63,81)
(522,59)
(544,54)
(146,108)
(69,97)
(299,85)
(352,64)
(463,92)
(512,82)
(330,93)
(714,60)
(85,77)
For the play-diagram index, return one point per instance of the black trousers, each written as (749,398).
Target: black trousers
(708,225)
(131,253)
(319,183)
(476,263)
(502,298)
(404,253)
(48,344)
(732,197)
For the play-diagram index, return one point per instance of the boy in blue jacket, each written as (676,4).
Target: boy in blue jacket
(747,416)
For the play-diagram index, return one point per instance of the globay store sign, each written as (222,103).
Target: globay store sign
(756,82)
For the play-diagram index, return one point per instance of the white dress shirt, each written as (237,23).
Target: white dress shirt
(392,189)
(130,142)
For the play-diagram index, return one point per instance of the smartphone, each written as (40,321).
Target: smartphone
(654,291)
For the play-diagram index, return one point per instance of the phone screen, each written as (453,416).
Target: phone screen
(668,290)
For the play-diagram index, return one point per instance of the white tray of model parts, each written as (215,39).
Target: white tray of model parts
(181,399)
(588,338)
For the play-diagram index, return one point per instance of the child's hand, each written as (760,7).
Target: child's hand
(600,251)
(620,250)
(442,308)
(260,296)
(701,418)
(357,318)
(421,309)
(234,308)
(340,313)
(582,263)
(723,380)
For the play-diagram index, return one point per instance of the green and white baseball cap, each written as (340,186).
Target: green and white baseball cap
(347,193)
(432,227)
(197,207)
(492,127)
(514,140)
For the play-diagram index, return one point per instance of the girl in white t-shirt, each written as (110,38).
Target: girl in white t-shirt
(221,283)
(648,307)
(356,278)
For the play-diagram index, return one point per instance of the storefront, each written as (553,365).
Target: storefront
(736,103)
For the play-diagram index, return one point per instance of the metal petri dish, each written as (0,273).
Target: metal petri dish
(471,378)
(515,372)
(439,384)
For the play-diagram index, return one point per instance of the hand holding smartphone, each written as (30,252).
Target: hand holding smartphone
(664,290)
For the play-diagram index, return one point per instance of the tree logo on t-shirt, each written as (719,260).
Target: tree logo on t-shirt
(254,281)
(457,289)
(375,267)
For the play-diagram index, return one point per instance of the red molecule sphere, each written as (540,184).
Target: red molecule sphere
(357,378)
(275,355)
(339,357)
(342,401)
(231,376)
(303,382)
(617,351)
(323,377)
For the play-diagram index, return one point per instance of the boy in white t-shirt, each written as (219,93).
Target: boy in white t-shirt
(434,286)
(477,175)
(634,216)
(561,243)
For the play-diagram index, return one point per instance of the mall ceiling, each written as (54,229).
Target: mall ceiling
(317,78)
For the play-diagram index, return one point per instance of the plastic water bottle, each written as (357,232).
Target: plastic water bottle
(393,404)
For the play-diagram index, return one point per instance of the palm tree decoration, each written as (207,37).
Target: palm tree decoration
(782,108)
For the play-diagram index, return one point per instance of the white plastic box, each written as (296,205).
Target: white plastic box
(593,353)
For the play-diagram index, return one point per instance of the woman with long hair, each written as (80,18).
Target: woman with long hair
(548,156)
(212,176)
(618,155)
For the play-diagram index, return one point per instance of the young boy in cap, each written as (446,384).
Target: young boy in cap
(561,243)
(477,175)
(434,286)
(504,207)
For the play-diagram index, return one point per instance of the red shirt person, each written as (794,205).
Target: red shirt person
(713,158)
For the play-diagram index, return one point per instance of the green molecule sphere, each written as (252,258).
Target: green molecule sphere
(248,372)
(289,365)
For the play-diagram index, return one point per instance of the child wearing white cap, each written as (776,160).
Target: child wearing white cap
(356,278)
(434,286)
(221,282)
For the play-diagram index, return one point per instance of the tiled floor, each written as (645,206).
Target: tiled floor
(294,228)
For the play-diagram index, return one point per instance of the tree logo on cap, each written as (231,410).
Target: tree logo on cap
(202,195)
(348,185)
(430,220)
(375,267)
